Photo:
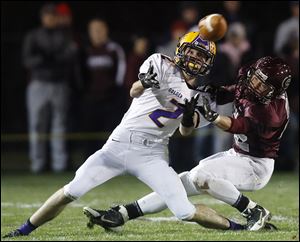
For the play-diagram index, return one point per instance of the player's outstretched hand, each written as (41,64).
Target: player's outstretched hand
(148,79)
(206,111)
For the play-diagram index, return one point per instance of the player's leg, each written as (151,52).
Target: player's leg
(162,179)
(97,169)
(149,204)
(153,203)
(165,182)
(92,173)
(150,165)
(49,210)
(224,174)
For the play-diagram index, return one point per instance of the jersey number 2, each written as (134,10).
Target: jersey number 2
(155,115)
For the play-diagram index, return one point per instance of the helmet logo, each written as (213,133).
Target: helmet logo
(199,41)
(286,82)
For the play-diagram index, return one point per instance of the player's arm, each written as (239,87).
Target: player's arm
(137,89)
(223,122)
(240,125)
(146,80)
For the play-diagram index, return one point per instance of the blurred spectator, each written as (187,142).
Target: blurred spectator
(287,34)
(65,24)
(236,45)
(104,99)
(178,29)
(232,11)
(189,15)
(135,59)
(286,45)
(64,15)
(48,54)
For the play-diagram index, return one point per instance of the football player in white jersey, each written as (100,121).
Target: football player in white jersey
(139,144)
(260,118)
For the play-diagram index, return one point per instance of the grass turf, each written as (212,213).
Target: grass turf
(23,193)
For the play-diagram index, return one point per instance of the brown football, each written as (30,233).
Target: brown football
(212,27)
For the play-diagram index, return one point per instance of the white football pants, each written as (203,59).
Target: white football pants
(222,175)
(137,154)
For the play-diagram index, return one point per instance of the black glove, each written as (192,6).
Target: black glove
(148,79)
(189,108)
(206,111)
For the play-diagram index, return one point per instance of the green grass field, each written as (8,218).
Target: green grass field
(22,194)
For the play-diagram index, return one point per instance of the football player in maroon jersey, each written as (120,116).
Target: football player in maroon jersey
(261,115)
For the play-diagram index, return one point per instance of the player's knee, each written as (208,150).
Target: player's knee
(180,206)
(186,215)
(262,181)
(201,180)
(71,193)
(259,184)
(79,185)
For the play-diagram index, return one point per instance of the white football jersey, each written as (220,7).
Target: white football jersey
(156,111)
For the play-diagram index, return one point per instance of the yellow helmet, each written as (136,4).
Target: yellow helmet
(192,65)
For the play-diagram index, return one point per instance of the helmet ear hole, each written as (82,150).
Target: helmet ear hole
(249,73)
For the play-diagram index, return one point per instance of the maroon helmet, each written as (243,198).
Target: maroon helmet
(268,78)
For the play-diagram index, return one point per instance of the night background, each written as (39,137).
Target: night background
(125,19)
(66,71)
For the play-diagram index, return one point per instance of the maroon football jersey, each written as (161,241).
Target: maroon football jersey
(257,127)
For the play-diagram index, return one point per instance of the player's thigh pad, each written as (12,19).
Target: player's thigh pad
(241,171)
(97,169)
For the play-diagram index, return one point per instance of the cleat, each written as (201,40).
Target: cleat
(110,220)
(14,233)
(270,227)
(257,218)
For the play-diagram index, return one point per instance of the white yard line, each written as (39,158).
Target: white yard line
(174,219)
(151,219)
(209,201)
(33,205)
